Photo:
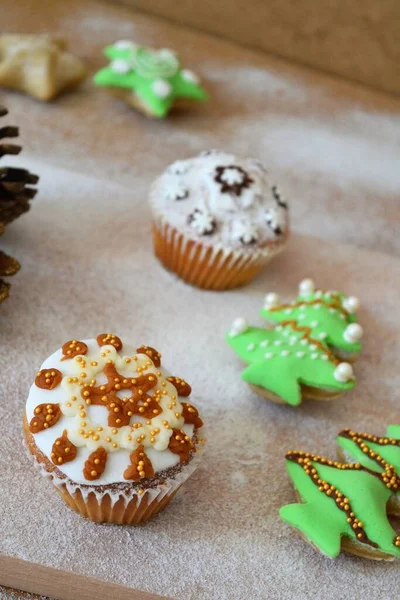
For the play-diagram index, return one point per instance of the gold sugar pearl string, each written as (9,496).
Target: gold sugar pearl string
(306,460)
(389,475)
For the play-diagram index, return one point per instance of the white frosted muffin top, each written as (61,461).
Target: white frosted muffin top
(221,199)
(103,412)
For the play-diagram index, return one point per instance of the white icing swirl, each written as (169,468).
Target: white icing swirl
(87,426)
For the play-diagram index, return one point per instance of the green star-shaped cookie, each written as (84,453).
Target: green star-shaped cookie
(155,77)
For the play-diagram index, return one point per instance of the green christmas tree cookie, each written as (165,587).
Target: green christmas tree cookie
(150,80)
(331,317)
(285,363)
(342,506)
(376,453)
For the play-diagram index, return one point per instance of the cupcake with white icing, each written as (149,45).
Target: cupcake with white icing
(112,429)
(217,220)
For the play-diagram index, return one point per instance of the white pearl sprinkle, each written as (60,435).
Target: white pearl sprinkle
(351,304)
(314,355)
(306,286)
(238,326)
(314,323)
(285,353)
(325,357)
(161,88)
(343,372)
(251,347)
(279,328)
(268,355)
(300,354)
(124,45)
(353,333)
(119,65)
(190,76)
(264,343)
(288,311)
(303,342)
(313,347)
(323,335)
(278,343)
(301,317)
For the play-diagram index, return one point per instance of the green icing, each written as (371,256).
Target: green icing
(388,451)
(324,524)
(156,77)
(325,319)
(282,358)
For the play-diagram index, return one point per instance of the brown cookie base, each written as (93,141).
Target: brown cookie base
(306,392)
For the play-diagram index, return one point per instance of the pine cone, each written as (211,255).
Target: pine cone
(14,199)
(14,193)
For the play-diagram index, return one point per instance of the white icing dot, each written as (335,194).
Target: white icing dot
(303,307)
(292,343)
(167,53)
(285,333)
(119,65)
(251,347)
(303,342)
(293,339)
(161,88)
(300,354)
(313,347)
(238,326)
(264,343)
(271,300)
(125,45)
(343,372)
(323,335)
(332,310)
(306,286)
(314,355)
(353,333)
(301,317)
(317,306)
(351,304)
(285,353)
(288,311)
(278,343)
(318,294)
(268,355)
(325,357)
(314,323)
(190,76)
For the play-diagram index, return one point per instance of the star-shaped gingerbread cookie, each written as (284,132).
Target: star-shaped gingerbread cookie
(153,81)
(38,65)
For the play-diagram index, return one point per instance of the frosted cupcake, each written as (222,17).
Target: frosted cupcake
(112,429)
(217,220)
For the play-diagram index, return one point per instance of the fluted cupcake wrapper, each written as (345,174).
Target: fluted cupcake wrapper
(122,504)
(208,267)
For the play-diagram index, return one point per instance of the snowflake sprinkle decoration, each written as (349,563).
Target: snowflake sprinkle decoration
(232,179)
(203,222)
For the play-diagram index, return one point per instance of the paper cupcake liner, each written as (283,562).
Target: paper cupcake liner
(208,267)
(121,504)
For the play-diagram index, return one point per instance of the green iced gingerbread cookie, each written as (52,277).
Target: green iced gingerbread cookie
(288,363)
(331,317)
(154,79)
(342,506)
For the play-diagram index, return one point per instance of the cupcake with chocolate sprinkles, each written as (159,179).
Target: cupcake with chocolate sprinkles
(217,220)
(114,431)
